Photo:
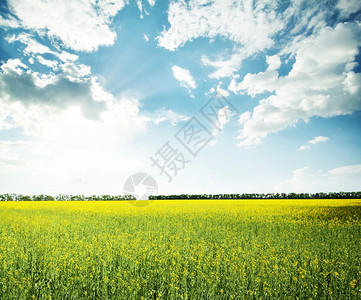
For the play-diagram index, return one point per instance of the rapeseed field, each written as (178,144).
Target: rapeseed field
(204,249)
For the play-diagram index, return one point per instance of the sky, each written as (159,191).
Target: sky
(222,96)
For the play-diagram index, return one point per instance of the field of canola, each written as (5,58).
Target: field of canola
(204,249)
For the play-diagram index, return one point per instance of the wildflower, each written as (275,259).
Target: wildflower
(353,283)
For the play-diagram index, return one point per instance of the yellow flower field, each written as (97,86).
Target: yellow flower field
(196,249)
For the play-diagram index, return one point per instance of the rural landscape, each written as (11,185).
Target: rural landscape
(181,249)
(180,149)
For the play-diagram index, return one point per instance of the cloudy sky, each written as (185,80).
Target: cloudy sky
(219,96)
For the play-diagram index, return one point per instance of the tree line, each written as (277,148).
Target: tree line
(320,195)
(19,197)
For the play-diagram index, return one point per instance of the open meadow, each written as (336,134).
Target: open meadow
(194,249)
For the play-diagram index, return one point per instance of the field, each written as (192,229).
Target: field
(205,249)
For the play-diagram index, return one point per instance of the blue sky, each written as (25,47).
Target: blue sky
(92,92)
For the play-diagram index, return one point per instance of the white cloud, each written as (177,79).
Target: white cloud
(314,141)
(34,47)
(184,77)
(13,66)
(119,120)
(81,25)
(140,7)
(304,147)
(318,139)
(244,117)
(141,4)
(247,23)
(10,21)
(274,62)
(71,149)
(46,62)
(317,85)
(307,16)
(352,83)
(66,56)
(348,7)
(223,117)
(162,115)
(258,83)
(225,67)
(221,92)
(345,178)
(74,85)
(211,91)
(83,133)
(159,120)
(75,73)
(250,25)
(145,37)
(253,26)
(347,170)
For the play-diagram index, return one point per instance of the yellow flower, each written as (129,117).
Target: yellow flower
(353,283)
